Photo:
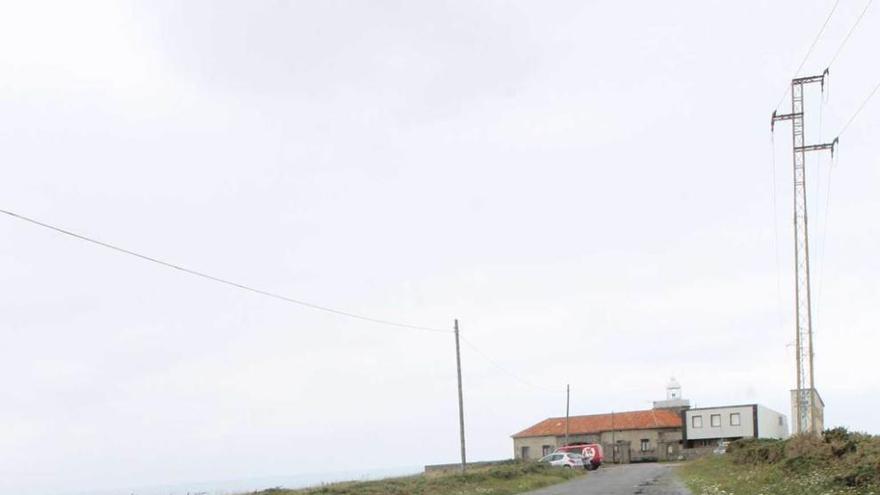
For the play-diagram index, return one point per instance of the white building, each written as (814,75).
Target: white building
(674,399)
(709,425)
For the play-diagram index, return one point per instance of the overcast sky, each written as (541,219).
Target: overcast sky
(587,186)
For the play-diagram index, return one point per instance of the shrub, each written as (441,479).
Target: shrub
(753,451)
(859,458)
(842,442)
(839,461)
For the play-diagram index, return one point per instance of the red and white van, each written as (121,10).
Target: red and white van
(592,453)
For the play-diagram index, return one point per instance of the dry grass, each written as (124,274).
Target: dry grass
(507,479)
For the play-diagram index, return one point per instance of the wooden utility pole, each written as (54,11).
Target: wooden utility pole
(460,399)
(567,400)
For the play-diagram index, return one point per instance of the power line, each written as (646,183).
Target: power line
(821,279)
(817,205)
(503,369)
(861,107)
(266,293)
(809,51)
(222,280)
(850,32)
(776,234)
(824,245)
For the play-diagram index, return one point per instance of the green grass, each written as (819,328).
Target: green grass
(507,479)
(839,462)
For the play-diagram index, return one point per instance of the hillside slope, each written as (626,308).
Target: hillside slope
(839,462)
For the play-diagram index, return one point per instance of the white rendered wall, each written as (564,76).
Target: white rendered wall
(746,427)
(769,424)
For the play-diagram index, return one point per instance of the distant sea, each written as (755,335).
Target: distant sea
(235,487)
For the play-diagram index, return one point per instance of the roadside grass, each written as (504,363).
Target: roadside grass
(840,462)
(505,479)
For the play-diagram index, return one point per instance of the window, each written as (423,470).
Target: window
(646,445)
(734,419)
(546,449)
(524,452)
(697,421)
(715,420)
(780,421)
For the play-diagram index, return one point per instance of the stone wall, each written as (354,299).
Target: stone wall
(535,446)
(663,444)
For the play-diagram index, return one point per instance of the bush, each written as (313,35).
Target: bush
(842,441)
(853,458)
(838,461)
(755,451)
(858,455)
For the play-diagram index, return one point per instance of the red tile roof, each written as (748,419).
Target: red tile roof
(595,423)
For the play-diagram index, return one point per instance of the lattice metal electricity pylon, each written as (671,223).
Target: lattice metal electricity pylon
(807,406)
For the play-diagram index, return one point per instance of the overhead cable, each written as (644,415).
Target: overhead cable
(821,279)
(502,368)
(809,51)
(850,32)
(222,280)
(776,233)
(858,110)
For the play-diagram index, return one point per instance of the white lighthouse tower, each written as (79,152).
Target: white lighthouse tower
(673,389)
(673,397)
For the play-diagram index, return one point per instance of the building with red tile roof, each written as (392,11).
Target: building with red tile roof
(652,434)
(661,433)
(598,423)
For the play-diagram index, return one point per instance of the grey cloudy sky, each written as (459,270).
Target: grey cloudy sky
(585,185)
